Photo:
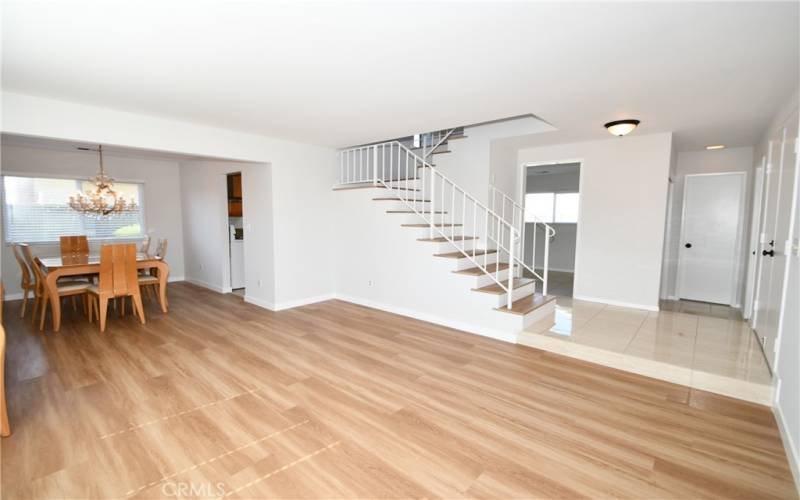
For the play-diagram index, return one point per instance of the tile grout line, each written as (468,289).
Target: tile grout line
(184,412)
(281,469)
(635,334)
(213,459)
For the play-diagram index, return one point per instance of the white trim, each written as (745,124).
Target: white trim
(290,304)
(258,302)
(616,303)
(792,453)
(430,318)
(210,286)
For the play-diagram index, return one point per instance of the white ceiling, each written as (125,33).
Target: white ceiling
(348,73)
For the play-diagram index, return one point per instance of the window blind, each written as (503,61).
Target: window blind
(35,211)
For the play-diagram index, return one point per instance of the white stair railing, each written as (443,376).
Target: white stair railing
(504,205)
(428,193)
(433,140)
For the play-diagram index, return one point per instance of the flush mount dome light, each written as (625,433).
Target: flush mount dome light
(621,127)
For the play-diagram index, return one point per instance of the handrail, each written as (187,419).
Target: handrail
(518,217)
(392,162)
(441,141)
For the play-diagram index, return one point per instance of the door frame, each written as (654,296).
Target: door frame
(754,245)
(739,235)
(521,191)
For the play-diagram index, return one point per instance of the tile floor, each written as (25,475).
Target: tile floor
(559,283)
(700,345)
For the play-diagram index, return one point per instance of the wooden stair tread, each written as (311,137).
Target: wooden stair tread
(346,187)
(442,239)
(433,153)
(477,271)
(395,198)
(527,304)
(438,224)
(413,212)
(370,186)
(496,289)
(460,255)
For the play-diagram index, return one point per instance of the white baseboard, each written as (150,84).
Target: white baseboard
(258,302)
(289,304)
(205,284)
(430,318)
(792,453)
(616,303)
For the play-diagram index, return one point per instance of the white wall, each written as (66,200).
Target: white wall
(302,176)
(204,198)
(623,208)
(472,159)
(562,247)
(162,209)
(706,162)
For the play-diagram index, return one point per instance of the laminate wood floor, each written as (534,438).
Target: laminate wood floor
(222,398)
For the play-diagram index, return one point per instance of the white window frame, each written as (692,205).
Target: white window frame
(140,202)
(555,197)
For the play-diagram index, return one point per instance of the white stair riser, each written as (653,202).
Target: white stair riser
(410,183)
(447,247)
(401,205)
(466,263)
(546,311)
(485,280)
(519,293)
(417,219)
(424,232)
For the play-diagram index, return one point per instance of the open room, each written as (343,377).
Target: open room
(298,250)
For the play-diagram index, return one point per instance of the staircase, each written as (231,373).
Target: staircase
(480,246)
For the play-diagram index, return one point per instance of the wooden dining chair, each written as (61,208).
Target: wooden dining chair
(64,289)
(74,244)
(118,278)
(27,283)
(38,285)
(145,246)
(150,282)
(5,428)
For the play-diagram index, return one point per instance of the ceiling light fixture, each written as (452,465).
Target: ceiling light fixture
(715,146)
(621,127)
(102,201)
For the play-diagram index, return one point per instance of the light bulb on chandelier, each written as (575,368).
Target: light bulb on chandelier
(102,201)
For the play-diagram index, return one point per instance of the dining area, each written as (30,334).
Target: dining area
(91,280)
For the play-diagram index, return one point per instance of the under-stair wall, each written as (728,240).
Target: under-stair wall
(383,265)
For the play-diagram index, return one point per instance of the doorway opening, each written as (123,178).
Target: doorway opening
(552,195)
(236,233)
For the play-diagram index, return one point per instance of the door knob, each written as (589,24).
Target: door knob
(771,253)
(688,245)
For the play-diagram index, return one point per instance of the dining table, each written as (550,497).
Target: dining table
(88,264)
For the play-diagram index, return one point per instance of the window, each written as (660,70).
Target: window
(35,211)
(561,208)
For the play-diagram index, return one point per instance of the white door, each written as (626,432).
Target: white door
(753,257)
(710,236)
(775,233)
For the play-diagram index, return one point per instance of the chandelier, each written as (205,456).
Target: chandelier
(102,201)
